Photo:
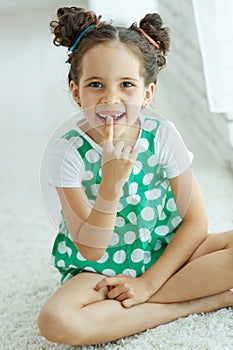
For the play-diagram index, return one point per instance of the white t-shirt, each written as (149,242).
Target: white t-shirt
(66,167)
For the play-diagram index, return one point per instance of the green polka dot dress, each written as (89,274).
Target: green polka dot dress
(147,217)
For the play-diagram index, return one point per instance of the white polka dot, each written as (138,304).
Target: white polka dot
(164,184)
(100,172)
(153,194)
(77,141)
(61,263)
(88,175)
(120,222)
(73,266)
(148,213)
(114,239)
(143,269)
(130,272)
(158,245)
(119,257)
(92,156)
(147,257)
(119,207)
(134,200)
(162,216)
(132,218)
(144,234)
(147,179)
(95,189)
(129,237)
(162,230)
(137,255)
(133,187)
(149,125)
(159,209)
(176,221)
(152,160)
(169,237)
(62,248)
(80,257)
(109,272)
(89,268)
(143,145)
(103,258)
(137,167)
(171,206)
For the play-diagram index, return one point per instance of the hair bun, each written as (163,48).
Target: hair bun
(71,21)
(152,24)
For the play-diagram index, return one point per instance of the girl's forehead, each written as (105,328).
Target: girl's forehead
(111,59)
(110,48)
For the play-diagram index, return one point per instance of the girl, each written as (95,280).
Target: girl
(132,247)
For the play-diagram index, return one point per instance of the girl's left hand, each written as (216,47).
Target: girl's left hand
(128,290)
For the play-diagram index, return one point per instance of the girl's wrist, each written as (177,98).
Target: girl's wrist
(152,289)
(109,192)
(107,200)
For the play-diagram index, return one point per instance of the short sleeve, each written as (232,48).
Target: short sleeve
(171,150)
(64,164)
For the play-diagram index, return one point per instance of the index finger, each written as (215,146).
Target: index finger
(109,129)
(108,281)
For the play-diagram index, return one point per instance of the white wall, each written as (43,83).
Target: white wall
(34,96)
(182,93)
(123,12)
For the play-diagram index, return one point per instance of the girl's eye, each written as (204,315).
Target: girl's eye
(95,84)
(126,84)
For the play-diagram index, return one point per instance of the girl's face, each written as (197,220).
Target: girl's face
(111,85)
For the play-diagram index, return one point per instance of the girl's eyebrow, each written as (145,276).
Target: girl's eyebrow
(99,78)
(92,78)
(130,78)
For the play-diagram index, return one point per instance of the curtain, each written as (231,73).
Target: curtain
(214,21)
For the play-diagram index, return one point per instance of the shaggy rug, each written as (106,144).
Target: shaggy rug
(28,279)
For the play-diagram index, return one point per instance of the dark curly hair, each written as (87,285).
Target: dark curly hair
(71,21)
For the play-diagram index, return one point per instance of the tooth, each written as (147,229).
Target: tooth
(102,116)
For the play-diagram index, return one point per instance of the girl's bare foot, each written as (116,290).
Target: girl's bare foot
(210,303)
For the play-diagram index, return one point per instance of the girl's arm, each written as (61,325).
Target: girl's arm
(91,229)
(188,237)
(131,291)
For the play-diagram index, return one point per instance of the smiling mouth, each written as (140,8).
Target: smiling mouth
(117,116)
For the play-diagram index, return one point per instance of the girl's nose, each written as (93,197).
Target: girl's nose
(110,97)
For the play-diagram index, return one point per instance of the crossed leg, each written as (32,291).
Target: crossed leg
(208,271)
(78,315)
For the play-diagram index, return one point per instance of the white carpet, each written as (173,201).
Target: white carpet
(28,279)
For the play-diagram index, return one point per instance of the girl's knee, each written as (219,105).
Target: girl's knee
(59,325)
(230,239)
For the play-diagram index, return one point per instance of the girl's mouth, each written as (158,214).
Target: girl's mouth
(117,116)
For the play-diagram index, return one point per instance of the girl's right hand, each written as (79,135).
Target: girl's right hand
(117,160)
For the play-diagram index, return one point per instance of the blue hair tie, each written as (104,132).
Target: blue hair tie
(80,37)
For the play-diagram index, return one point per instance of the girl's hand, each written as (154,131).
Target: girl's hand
(117,159)
(128,290)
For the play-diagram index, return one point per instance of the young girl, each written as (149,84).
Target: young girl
(132,247)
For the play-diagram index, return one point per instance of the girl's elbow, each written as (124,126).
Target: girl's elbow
(89,253)
(202,229)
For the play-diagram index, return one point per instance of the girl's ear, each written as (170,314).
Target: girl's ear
(148,94)
(75,92)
